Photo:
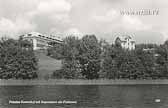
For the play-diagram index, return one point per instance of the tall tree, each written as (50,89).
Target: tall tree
(89,56)
(70,64)
(109,64)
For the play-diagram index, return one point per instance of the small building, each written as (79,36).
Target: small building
(126,42)
(151,51)
(41,41)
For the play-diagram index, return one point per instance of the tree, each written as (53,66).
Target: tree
(17,59)
(149,62)
(69,70)
(162,61)
(89,56)
(131,66)
(109,65)
(121,64)
(55,51)
(70,64)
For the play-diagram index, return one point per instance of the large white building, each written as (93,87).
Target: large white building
(40,41)
(126,42)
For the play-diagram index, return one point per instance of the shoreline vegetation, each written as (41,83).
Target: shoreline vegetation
(87,58)
(12,82)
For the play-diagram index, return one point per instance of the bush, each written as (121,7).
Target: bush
(47,77)
(69,70)
(58,74)
(17,60)
(55,51)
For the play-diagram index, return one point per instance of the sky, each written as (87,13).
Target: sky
(79,17)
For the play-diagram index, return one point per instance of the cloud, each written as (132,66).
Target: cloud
(74,31)
(133,23)
(51,6)
(13,28)
(53,9)
(106,17)
(88,16)
(51,14)
(61,18)
(112,19)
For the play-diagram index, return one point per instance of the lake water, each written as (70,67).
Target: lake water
(93,96)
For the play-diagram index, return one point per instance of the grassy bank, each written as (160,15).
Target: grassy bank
(79,82)
(46,65)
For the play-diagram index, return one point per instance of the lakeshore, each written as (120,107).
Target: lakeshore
(12,82)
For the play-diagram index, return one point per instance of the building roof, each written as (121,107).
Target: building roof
(124,37)
(37,34)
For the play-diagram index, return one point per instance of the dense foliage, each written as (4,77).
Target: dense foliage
(17,59)
(56,51)
(80,58)
(71,67)
(136,64)
(91,59)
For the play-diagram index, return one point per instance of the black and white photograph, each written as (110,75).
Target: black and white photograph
(83,53)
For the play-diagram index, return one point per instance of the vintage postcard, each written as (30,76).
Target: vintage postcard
(83,53)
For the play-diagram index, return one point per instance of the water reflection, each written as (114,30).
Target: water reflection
(132,96)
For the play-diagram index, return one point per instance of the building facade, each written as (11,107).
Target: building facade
(41,41)
(126,42)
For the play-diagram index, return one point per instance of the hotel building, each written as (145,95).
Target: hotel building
(41,41)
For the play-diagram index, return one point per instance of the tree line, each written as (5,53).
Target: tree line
(90,58)
(85,58)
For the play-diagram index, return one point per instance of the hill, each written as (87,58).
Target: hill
(46,64)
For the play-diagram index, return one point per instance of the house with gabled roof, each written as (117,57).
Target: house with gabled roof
(126,42)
